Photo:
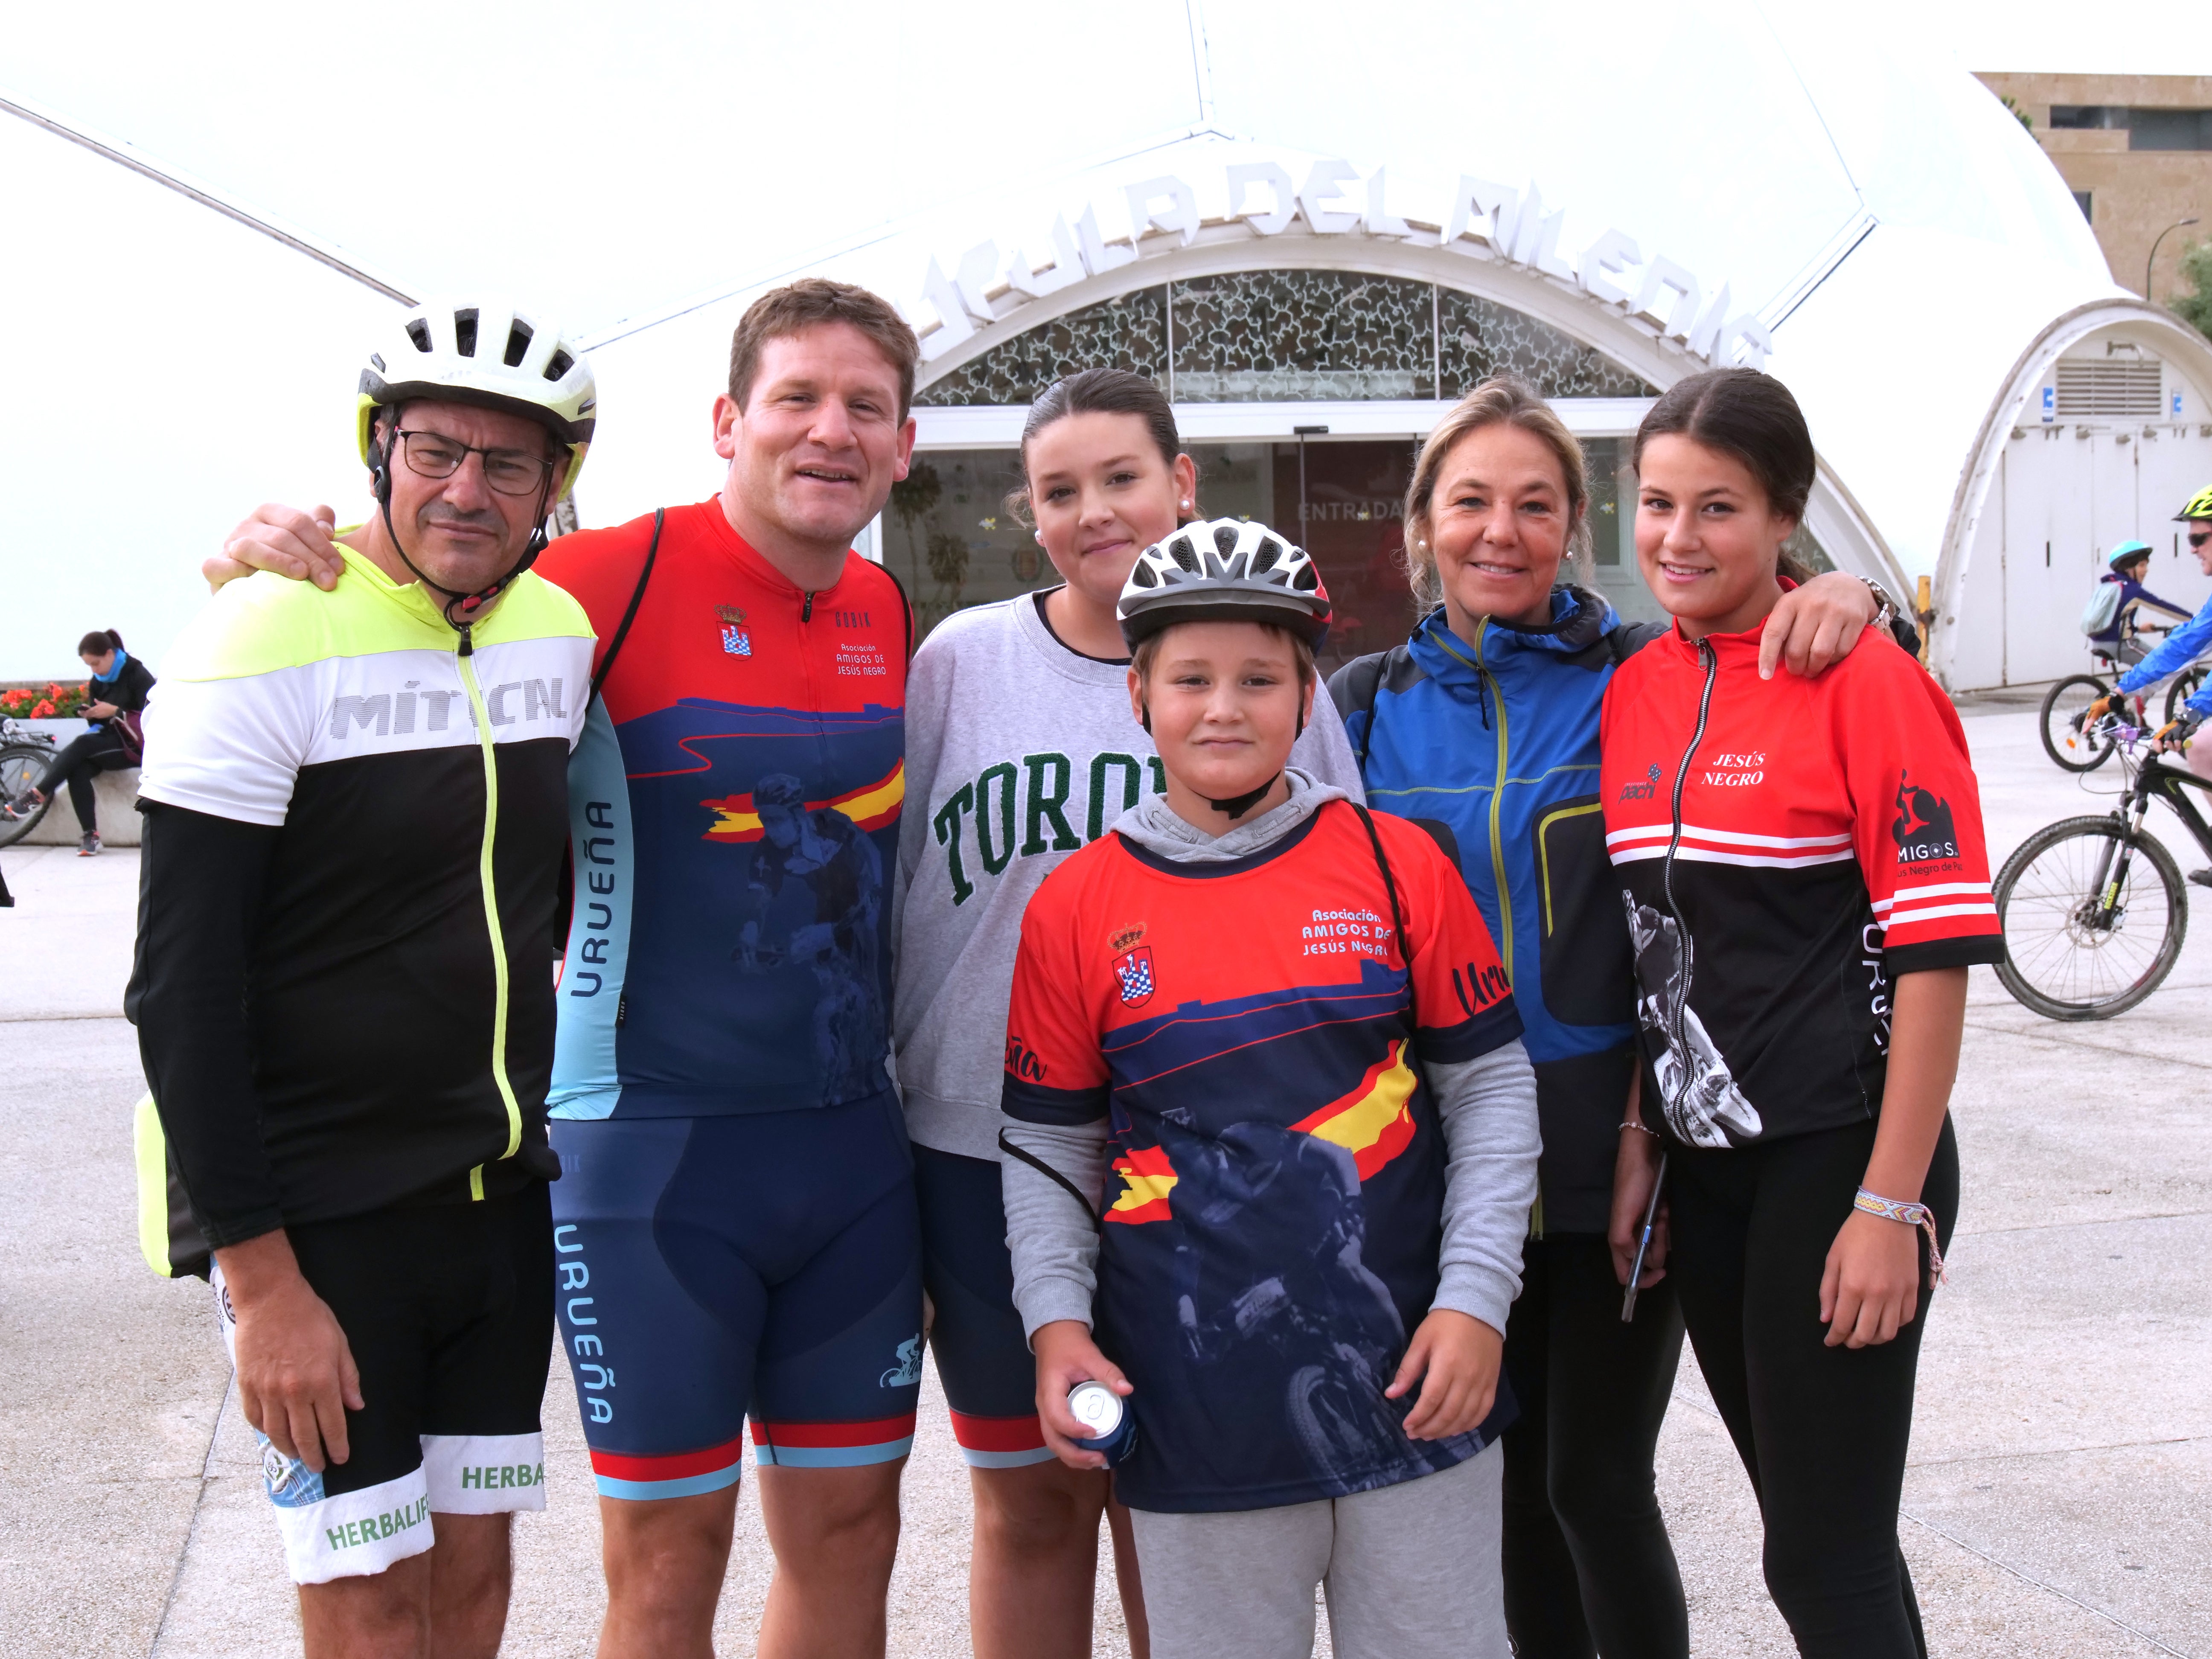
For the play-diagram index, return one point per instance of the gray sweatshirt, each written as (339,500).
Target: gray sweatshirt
(1018,751)
(1487,1107)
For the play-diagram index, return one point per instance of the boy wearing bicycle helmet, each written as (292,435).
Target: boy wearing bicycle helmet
(1272,1144)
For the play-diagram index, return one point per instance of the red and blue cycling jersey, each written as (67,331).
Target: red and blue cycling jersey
(733,815)
(1251,1031)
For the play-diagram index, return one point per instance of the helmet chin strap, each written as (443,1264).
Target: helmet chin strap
(1237,805)
(469,604)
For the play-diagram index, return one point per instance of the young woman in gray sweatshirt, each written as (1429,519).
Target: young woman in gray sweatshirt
(1021,751)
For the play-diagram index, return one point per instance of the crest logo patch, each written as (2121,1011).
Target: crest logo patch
(1134,969)
(735,640)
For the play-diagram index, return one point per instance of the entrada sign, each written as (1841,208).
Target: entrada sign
(1482,221)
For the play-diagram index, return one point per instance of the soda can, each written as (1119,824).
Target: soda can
(1099,1409)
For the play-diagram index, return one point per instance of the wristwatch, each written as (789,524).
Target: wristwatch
(1886,608)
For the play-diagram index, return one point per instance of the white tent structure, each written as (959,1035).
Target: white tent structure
(1992,411)
(1730,182)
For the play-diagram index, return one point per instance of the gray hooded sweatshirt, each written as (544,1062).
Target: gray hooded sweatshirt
(1020,751)
(1486,1107)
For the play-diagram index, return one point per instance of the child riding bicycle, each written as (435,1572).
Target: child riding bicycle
(2118,605)
(2176,650)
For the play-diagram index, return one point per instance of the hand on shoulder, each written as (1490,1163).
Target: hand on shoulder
(283,540)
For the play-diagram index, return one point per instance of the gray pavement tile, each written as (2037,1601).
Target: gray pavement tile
(2023,1355)
(1972,1607)
(232,1599)
(70,934)
(2041,1145)
(114,1376)
(2124,1529)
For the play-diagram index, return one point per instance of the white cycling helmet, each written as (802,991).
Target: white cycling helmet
(1224,570)
(491,354)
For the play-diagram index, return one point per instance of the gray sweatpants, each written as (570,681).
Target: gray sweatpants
(1411,1572)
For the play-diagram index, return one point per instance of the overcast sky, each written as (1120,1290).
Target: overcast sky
(609,159)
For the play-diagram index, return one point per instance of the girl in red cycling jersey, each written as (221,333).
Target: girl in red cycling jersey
(1803,867)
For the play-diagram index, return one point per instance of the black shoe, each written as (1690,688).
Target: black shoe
(2202,878)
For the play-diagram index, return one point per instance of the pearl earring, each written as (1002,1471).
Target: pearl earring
(1039,534)
(1186,506)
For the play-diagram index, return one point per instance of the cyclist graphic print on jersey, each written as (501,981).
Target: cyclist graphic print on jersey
(1694,1083)
(834,862)
(733,814)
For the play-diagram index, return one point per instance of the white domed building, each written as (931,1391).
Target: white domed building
(1602,210)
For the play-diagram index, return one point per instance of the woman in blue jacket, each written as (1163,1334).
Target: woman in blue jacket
(1483,727)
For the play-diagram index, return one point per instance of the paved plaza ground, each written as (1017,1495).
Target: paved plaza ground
(2056,1503)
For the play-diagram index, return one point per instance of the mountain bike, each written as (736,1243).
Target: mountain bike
(2095,909)
(24,757)
(2065,738)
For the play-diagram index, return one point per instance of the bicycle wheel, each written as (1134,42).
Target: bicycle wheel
(21,765)
(2077,947)
(2185,687)
(2064,739)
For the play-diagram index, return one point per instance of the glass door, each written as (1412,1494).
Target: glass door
(1345,498)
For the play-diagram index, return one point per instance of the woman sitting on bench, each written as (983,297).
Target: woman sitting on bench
(120,686)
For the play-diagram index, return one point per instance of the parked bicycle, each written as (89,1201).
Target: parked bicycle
(25,754)
(2095,909)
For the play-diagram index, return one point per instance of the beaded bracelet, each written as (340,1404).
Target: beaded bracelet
(1628,1124)
(1912,1215)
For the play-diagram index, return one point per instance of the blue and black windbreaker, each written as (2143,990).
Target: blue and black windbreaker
(1493,748)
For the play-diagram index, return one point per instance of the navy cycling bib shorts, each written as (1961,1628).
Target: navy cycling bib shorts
(982,1353)
(710,1269)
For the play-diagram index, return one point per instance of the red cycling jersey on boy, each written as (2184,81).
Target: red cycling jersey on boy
(1272,1216)
(1817,838)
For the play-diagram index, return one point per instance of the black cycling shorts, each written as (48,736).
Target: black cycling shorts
(448,1309)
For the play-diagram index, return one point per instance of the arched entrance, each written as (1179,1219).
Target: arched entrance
(1302,393)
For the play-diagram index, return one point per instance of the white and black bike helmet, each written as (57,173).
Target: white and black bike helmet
(1224,570)
(491,354)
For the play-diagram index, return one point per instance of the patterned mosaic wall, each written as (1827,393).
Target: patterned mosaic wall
(1258,335)
(1291,336)
(1130,332)
(1481,337)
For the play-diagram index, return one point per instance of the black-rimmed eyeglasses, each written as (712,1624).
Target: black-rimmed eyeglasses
(509,471)
(2198,538)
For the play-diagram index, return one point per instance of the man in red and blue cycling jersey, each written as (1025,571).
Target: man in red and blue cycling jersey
(735,1225)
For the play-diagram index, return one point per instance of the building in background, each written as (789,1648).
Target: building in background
(2136,152)
(1337,242)
(1991,410)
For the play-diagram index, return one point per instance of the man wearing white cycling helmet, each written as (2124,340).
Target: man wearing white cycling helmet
(2184,646)
(736,1230)
(354,804)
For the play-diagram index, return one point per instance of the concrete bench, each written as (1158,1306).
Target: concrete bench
(115,799)
(114,810)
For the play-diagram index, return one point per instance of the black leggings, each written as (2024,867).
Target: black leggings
(1822,1431)
(1588,1566)
(80,758)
